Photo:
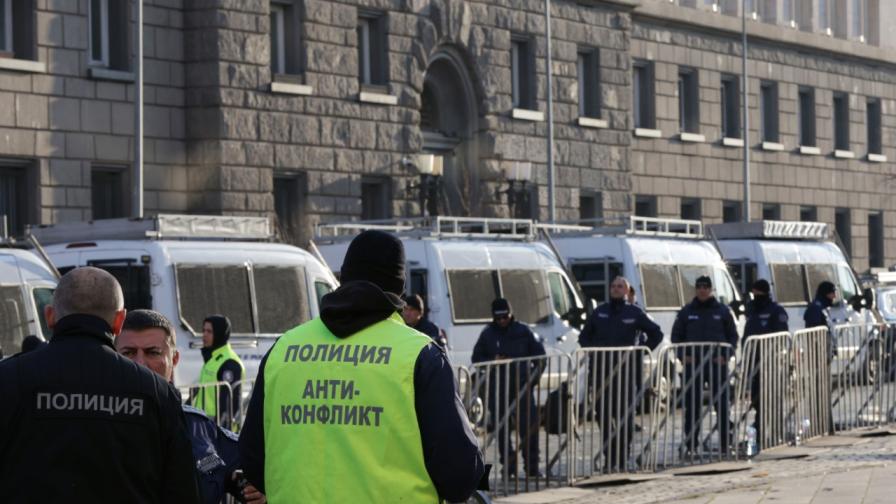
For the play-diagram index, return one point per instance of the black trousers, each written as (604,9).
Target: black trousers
(523,413)
(615,383)
(696,374)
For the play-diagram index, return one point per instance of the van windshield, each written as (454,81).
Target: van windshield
(669,286)
(472,293)
(13,319)
(42,298)
(281,297)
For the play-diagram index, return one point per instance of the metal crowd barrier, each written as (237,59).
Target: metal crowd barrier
(764,402)
(246,388)
(692,422)
(812,350)
(525,422)
(861,374)
(190,394)
(612,411)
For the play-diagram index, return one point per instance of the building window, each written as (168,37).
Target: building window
(771,211)
(807,116)
(769,109)
(731,211)
(690,209)
(688,101)
(522,70)
(372,49)
(591,205)
(108,192)
(841,121)
(13,198)
(824,16)
(768,10)
(875,145)
(858,19)
(876,240)
(6,26)
(808,214)
(645,206)
(589,83)
(839,13)
(17,29)
(643,87)
(289,205)
(286,52)
(376,199)
(843,227)
(109,27)
(730,106)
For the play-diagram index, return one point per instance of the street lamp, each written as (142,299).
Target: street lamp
(430,167)
(517,190)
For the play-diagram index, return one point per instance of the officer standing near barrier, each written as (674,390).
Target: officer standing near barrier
(705,320)
(764,316)
(506,338)
(222,364)
(616,378)
(413,316)
(81,423)
(817,314)
(148,339)
(355,406)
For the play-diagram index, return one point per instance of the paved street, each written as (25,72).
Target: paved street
(841,470)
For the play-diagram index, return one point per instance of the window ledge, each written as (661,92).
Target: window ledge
(691,137)
(110,75)
(732,142)
(593,122)
(772,146)
(648,133)
(844,154)
(378,98)
(877,158)
(527,115)
(810,150)
(290,88)
(21,65)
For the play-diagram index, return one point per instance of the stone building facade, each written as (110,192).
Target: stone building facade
(314,110)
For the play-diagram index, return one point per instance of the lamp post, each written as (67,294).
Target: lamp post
(137,169)
(746,111)
(429,188)
(518,188)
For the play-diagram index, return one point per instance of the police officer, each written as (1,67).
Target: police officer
(413,316)
(355,406)
(222,364)
(81,423)
(505,338)
(705,320)
(148,339)
(615,377)
(764,316)
(818,311)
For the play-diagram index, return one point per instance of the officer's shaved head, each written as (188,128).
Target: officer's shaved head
(88,291)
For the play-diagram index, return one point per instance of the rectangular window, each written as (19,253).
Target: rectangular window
(824,16)
(13,198)
(688,101)
(108,192)
(14,319)
(376,201)
(289,205)
(528,293)
(643,88)
(595,278)
(875,145)
(109,28)
(278,39)
(6,26)
(743,273)
(645,206)
(731,211)
(807,116)
(790,284)
(817,273)
(286,41)
(134,279)
(839,18)
(730,106)
(590,205)
(769,109)
(589,83)
(659,286)
(204,289)
(690,209)
(276,287)
(808,214)
(472,292)
(841,121)
(99,32)
(522,70)
(372,49)
(843,226)
(787,12)
(876,240)
(771,211)
(858,19)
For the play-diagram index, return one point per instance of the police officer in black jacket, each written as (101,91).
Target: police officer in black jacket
(505,338)
(705,320)
(615,377)
(81,423)
(413,314)
(816,314)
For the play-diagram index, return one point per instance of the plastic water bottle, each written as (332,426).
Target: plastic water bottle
(751,441)
(806,425)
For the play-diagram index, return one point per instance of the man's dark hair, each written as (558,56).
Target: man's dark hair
(141,320)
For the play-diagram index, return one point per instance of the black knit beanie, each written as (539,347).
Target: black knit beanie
(378,258)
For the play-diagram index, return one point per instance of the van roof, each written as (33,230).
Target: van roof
(28,266)
(630,225)
(438,227)
(158,227)
(771,230)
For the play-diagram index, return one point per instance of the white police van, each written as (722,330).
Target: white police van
(460,265)
(26,287)
(188,267)
(662,258)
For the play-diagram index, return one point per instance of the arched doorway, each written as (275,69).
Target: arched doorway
(449,122)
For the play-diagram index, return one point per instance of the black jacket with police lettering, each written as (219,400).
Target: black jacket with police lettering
(816,313)
(705,322)
(619,324)
(765,316)
(216,455)
(81,423)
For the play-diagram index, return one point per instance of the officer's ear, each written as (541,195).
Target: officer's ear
(118,321)
(175,358)
(50,315)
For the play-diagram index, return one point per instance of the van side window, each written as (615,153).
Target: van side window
(472,293)
(13,319)
(281,298)
(321,288)
(42,298)
(418,283)
(559,294)
(817,273)
(688,276)
(659,286)
(595,278)
(790,284)
(204,290)
(528,294)
(846,283)
(134,281)
(743,274)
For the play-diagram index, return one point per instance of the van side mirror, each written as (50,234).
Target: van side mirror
(738,307)
(575,316)
(857,302)
(870,301)
(590,306)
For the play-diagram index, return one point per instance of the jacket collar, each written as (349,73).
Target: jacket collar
(83,326)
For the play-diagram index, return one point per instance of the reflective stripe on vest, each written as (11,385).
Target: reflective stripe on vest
(207,398)
(339,417)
